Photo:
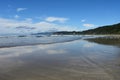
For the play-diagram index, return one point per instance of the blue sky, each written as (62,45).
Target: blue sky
(52,15)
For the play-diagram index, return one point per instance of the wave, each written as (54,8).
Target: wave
(32,40)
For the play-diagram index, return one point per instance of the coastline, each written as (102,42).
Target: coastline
(37,41)
(57,39)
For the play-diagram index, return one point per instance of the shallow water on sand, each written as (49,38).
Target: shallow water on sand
(75,60)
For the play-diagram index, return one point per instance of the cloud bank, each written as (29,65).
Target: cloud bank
(27,25)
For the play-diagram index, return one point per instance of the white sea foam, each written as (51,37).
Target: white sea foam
(33,40)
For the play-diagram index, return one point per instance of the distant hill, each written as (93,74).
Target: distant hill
(66,33)
(109,29)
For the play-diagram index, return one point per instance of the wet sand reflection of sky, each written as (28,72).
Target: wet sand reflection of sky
(69,60)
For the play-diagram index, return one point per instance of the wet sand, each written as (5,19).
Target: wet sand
(106,40)
(75,60)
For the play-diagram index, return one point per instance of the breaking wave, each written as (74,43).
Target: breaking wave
(13,41)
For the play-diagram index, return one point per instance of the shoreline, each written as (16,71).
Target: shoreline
(83,37)
(40,43)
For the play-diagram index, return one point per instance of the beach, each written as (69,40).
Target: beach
(61,58)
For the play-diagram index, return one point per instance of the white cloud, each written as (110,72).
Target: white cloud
(21,9)
(9,26)
(83,20)
(16,16)
(89,25)
(58,19)
(28,20)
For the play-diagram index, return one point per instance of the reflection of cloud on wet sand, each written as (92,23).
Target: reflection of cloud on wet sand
(58,61)
(89,45)
(14,52)
(16,57)
(56,51)
(28,50)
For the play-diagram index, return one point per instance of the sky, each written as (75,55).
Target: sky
(32,16)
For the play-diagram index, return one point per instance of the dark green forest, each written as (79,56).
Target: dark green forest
(109,29)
